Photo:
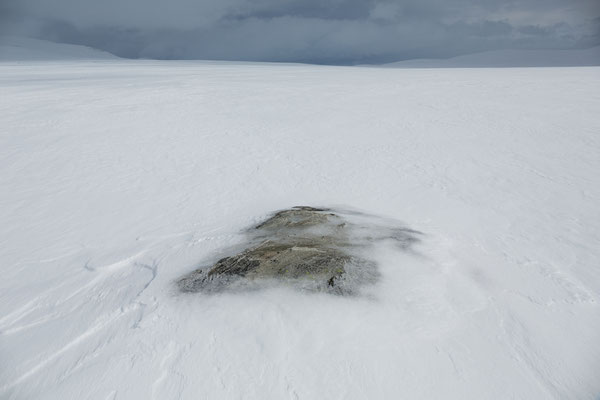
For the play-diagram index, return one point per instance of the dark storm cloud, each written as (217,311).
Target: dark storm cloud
(323,31)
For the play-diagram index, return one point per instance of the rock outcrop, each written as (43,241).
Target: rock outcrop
(310,248)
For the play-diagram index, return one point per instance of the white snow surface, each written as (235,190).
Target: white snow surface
(510,58)
(118,177)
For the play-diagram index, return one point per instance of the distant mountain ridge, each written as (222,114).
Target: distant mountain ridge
(13,48)
(510,58)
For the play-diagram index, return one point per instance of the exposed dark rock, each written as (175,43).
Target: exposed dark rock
(311,248)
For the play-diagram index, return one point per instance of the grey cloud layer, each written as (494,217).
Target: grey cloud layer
(325,31)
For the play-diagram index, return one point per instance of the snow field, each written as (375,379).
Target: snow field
(119,177)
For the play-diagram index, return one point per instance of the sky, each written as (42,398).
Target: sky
(312,31)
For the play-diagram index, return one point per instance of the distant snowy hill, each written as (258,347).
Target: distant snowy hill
(14,48)
(510,58)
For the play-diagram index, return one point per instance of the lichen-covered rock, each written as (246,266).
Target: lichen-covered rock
(304,258)
(307,247)
(298,217)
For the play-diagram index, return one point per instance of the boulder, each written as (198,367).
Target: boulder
(310,248)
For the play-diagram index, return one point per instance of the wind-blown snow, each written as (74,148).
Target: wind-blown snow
(119,177)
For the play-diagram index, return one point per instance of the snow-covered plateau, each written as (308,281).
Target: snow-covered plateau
(119,177)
